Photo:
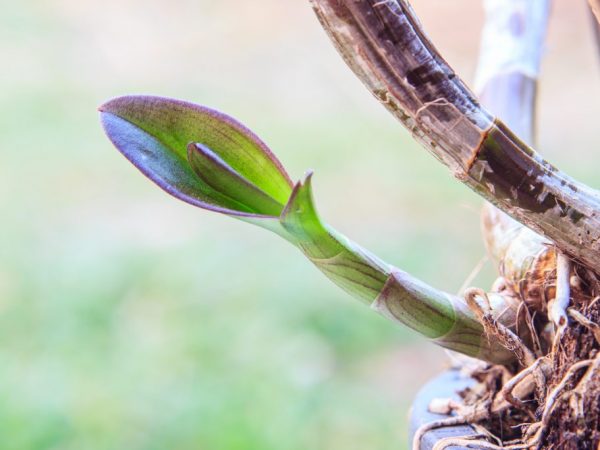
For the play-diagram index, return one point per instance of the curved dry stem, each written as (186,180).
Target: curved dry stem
(533,334)
(383,42)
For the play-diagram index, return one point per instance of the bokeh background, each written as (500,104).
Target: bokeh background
(129,320)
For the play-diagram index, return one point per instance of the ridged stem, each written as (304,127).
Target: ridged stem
(439,316)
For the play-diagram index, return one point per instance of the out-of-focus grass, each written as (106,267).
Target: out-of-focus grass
(131,321)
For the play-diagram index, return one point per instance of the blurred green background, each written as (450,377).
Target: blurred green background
(129,320)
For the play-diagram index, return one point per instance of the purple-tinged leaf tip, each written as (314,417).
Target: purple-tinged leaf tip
(154,133)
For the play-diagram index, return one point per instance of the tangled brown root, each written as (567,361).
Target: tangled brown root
(551,401)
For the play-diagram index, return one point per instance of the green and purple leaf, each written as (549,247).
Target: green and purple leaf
(245,179)
(210,160)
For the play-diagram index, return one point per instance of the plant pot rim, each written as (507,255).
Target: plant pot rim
(445,385)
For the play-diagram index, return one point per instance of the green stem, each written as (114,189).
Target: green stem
(231,171)
(441,317)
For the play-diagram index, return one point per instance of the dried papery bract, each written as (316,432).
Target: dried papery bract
(526,261)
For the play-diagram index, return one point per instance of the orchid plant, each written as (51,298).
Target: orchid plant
(213,162)
(539,324)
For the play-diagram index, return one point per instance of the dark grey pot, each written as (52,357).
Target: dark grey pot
(443,386)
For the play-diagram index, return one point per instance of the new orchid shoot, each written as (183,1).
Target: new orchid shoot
(211,161)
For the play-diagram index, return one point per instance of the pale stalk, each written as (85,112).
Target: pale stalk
(506,82)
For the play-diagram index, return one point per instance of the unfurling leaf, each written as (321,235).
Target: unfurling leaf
(212,161)
(154,133)
(224,179)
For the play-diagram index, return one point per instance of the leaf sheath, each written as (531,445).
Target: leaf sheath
(223,167)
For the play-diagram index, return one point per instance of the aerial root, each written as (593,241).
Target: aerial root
(466,414)
(555,394)
(587,386)
(547,402)
(590,380)
(425,428)
(484,432)
(535,339)
(533,377)
(475,442)
(582,320)
(512,394)
(557,309)
(537,431)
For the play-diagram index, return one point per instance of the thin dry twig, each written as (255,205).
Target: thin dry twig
(473,274)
